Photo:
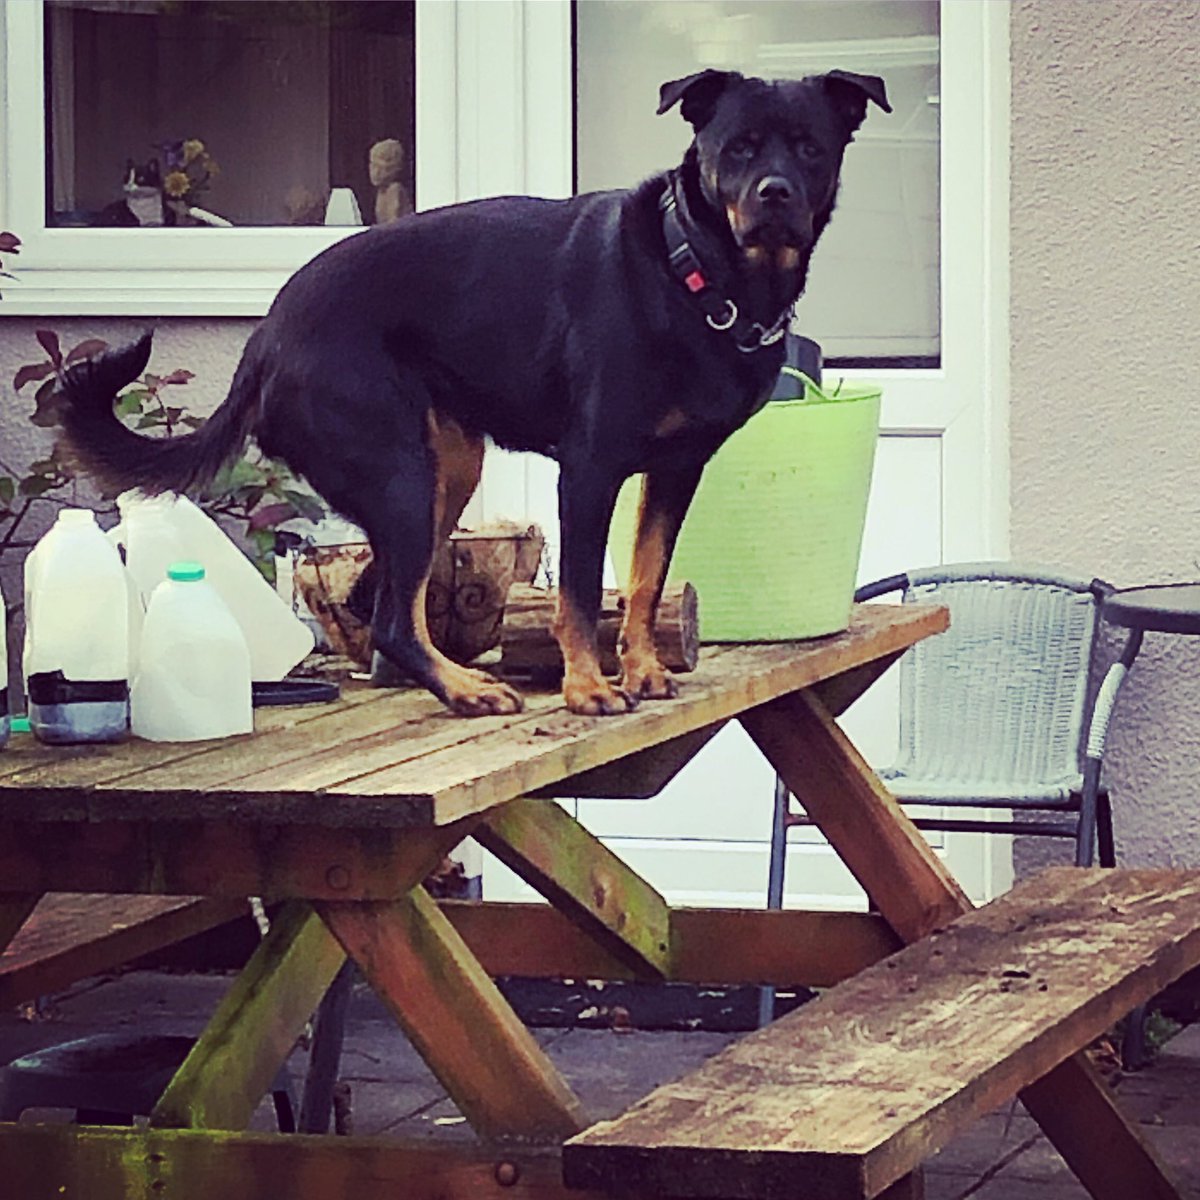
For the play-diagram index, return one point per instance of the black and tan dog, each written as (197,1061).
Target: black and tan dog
(618,332)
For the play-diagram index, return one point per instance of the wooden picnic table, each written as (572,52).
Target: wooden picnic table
(341,811)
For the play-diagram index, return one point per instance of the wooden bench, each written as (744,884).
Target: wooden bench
(69,936)
(848,1095)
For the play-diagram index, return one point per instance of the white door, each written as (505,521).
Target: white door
(908,288)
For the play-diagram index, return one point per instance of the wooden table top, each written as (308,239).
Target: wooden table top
(396,758)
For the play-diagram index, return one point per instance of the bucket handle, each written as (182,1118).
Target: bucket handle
(818,396)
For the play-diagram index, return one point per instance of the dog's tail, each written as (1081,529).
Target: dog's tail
(117,457)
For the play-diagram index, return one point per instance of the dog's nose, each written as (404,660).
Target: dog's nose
(774,189)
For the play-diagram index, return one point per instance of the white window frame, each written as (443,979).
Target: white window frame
(470,98)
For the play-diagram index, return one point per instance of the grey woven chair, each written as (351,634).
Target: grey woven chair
(994,713)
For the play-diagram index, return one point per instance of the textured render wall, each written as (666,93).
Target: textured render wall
(1105,428)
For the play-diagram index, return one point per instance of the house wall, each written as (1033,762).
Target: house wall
(1105,306)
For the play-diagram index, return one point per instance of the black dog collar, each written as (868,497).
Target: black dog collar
(719,311)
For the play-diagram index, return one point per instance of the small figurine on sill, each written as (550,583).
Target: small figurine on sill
(385,165)
(142,203)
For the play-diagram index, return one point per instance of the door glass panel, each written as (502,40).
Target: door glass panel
(259,112)
(873,290)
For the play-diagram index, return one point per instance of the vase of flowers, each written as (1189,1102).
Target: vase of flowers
(189,170)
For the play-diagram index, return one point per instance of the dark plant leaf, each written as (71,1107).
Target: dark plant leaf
(31,372)
(8,489)
(179,376)
(150,420)
(88,348)
(38,485)
(270,515)
(192,422)
(152,382)
(48,340)
(306,504)
(173,414)
(9,243)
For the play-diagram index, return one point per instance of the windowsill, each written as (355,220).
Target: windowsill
(159,272)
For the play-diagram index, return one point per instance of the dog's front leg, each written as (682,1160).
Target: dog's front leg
(664,503)
(586,496)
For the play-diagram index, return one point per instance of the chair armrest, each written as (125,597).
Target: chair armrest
(881,587)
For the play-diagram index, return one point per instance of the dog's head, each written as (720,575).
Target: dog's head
(768,154)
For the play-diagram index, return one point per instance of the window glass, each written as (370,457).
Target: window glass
(246,112)
(873,294)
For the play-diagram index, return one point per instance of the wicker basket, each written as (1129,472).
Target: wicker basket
(773,536)
(464,605)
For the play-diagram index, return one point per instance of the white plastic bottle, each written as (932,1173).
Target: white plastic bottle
(150,525)
(193,675)
(76,661)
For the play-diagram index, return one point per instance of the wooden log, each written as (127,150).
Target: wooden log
(528,645)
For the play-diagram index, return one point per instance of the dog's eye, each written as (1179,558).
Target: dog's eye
(744,147)
(807,149)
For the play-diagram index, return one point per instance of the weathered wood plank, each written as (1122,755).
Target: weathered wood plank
(708,945)
(847,1095)
(254,1027)
(860,818)
(582,878)
(487,772)
(637,776)
(838,693)
(441,767)
(190,858)
(916,895)
(70,1162)
(27,764)
(71,936)
(456,1018)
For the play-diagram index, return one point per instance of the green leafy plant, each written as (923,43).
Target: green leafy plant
(254,494)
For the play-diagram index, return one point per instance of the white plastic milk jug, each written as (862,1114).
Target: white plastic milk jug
(158,530)
(193,674)
(76,662)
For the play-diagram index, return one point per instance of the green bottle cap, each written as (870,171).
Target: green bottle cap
(185,572)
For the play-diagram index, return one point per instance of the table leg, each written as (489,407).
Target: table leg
(916,894)
(456,1017)
(254,1028)
(584,880)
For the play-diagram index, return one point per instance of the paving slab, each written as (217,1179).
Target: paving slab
(1002,1157)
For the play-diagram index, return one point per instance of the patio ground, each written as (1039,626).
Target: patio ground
(1003,1157)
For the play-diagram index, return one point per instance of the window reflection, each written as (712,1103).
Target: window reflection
(242,112)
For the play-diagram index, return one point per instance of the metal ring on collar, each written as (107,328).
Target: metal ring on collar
(731,315)
(764,337)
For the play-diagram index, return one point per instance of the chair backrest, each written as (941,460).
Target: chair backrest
(1001,695)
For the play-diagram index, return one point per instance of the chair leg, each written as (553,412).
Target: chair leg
(778,861)
(328,1034)
(1104,830)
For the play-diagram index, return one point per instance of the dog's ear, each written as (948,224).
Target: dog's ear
(699,93)
(850,93)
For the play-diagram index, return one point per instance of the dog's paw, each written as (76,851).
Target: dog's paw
(648,680)
(479,695)
(597,698)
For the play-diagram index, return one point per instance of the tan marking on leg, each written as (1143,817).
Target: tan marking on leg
(458,460)
(642,674)
(585,689)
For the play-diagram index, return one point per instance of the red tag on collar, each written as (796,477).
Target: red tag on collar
(695,281)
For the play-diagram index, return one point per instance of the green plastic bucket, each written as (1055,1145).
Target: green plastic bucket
(772,538)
